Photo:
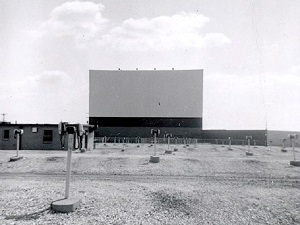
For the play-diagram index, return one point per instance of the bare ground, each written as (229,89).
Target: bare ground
(203,185)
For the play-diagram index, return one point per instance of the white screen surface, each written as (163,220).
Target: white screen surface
(174,93)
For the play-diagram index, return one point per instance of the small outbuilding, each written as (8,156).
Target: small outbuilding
(37,137)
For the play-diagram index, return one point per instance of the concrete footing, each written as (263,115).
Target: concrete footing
(230,149)
(83,150)
(168,152)
(15,158)
(154,159)
(66,205)
(175,149)
(284,150)
(249,153)
(295,163)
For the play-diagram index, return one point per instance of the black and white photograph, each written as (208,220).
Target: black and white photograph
(148,112)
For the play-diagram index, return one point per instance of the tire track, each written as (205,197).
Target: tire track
(247,179)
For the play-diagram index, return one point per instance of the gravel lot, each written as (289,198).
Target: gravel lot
(206,184)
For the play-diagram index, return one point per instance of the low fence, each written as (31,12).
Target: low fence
(180,141)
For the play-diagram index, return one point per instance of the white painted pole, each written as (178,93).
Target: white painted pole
(18,143)
(70,149)
(155,144)
(293,146)
(249,144)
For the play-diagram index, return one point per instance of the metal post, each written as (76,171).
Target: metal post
(154,143)
(18,143)
(168,142)
(293,146)
(70,149)
(249,144)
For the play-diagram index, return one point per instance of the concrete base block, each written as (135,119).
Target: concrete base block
(137,146)
(175,149)
(184,146)
(249,153)
(230,149)
(295,163)
(154,159)
(82,150)
(66,205)
(168,152)
(283,150)
(15,158)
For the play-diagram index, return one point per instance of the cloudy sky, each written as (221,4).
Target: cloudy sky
(249,50)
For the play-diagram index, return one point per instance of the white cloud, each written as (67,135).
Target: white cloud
(295,70)
(45,98)
(163,33)
(52,77)
(79,20)
(83,22)
(272,46)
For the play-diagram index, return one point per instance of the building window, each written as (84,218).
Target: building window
(34,130)
(48,136)
(6,135)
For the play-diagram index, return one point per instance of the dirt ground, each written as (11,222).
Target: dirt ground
(204,184)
